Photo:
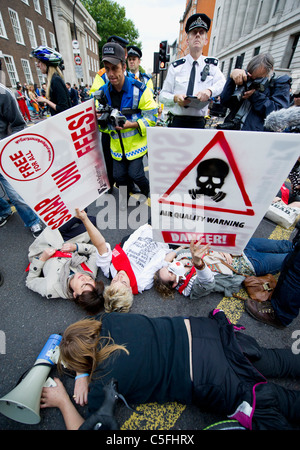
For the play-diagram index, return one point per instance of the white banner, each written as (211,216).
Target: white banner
(57,165)
(215,185)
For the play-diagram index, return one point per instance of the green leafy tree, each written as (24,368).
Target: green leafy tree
(111,20)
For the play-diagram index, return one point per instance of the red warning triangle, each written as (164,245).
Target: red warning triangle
(220,139)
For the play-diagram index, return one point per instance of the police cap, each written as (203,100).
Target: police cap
(113,53)
(133,50)
(197,21)
(119,40)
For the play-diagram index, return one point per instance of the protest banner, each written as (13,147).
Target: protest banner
(57,165)
(215,185)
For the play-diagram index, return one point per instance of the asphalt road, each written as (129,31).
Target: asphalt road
(27,320)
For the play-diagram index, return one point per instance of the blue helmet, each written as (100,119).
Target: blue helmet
(47,55)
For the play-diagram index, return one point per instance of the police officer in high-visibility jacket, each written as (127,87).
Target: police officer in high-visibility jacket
(101,77)
(134,55)
(133,99)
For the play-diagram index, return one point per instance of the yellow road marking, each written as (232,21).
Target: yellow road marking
(164,417)
(154,417)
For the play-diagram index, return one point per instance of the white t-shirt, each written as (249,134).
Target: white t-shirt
(146,256)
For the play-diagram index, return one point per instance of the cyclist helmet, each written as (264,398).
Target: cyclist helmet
(47,55)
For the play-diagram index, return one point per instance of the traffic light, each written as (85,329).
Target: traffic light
(163,56)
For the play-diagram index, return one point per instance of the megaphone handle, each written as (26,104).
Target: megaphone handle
(28,370)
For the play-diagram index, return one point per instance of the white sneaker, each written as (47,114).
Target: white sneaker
(36,230)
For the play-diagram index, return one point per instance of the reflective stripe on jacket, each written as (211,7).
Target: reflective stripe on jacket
(136,96)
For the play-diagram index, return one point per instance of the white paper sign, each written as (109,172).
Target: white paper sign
(215,185)
(57,165)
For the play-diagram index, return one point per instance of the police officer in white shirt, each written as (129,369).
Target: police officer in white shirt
(192,76)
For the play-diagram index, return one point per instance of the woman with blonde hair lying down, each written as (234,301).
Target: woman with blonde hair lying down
(130,265)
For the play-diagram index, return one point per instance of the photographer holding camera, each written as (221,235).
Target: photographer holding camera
(127,110)
(253,94)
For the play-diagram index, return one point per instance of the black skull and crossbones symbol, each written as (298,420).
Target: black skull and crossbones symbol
(211,175)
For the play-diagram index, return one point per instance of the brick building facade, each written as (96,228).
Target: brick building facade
(192,7)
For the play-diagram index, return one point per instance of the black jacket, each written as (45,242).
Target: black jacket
(275,97)
(59,95)
(224,378)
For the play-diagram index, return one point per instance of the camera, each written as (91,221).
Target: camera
(109,115)
(233,121)
(260,84)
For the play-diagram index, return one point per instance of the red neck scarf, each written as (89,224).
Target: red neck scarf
(186,281)
(59,254)
(120,261)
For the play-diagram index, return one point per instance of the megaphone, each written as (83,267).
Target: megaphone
(22,404)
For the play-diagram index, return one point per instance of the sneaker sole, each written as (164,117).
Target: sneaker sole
(6,219)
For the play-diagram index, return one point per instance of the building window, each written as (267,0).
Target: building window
(230,67)
(291,47)
(31,33)
(2,28)
(26,2)
(41,77)
(218,15)
(47,10)
(256,51)
(14,18)
(213,45)
(52,40)
(279,6)
(43,36)
(11,70)
(294,46)
(27,70)
(37,6)
(239,61)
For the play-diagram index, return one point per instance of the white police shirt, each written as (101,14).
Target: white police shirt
(177,81)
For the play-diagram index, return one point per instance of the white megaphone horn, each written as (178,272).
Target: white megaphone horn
(23,402)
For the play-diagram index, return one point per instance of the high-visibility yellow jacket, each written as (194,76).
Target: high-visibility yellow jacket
(99,80)
(144,78)
(132,141)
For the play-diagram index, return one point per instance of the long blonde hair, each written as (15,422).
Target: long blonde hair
(50,72)
(81,349)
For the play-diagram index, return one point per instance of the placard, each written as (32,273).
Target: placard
(57,165)
(215,185)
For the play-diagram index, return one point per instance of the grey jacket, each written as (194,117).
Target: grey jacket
(222,283)
(44,277)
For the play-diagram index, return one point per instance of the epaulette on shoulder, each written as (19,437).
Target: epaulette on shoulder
(213,61)
(101,72)
(147,75)
(178,62)
(138,83)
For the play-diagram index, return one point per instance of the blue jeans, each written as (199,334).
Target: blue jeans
(26,213)
(267,255)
